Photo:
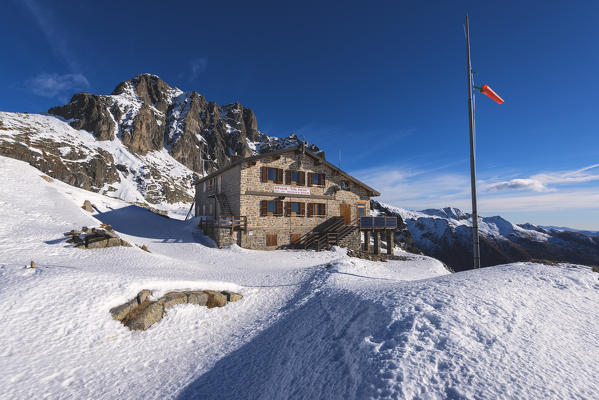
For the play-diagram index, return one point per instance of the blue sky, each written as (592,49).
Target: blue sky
(382,82)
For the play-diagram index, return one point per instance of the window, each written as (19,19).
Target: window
(271,207)
(344,185)
(271,239)
(319,209)
(295,178)
(274,175)
(361,210)
(293,208)
(316,209)
(315,179)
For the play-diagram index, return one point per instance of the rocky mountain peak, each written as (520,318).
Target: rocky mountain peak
(148,114)
(150,129)
(150,89)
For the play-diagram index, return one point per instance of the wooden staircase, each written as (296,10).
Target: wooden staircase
(328,234)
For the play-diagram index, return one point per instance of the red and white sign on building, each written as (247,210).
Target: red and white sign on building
(291,190)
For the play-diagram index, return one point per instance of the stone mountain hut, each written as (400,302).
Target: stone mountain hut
(290,198)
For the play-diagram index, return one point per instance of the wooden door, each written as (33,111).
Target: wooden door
(346,213)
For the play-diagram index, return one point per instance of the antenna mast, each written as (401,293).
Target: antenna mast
(475,239)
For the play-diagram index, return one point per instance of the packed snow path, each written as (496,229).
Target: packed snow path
(311,325)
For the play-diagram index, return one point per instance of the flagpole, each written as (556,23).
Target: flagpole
(475,239)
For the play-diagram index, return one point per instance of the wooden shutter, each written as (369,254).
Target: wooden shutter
(310,178)
(295,238)
(302,209)
(310,209)
(279,176)
(320,179)
(279,204)
(324,209)
(302,178)
(264,208)
(288,208)
(264,174)
(288,177)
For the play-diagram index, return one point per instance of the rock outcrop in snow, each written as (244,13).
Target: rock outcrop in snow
(446,234)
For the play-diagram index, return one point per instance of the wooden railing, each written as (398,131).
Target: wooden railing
(234,222)
(375,223)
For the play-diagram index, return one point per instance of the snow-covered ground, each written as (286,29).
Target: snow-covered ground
(310,325)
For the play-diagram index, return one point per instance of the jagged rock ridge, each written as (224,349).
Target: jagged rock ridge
(147,114)
(143,142)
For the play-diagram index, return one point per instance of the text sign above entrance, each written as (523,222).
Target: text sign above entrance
(291,190)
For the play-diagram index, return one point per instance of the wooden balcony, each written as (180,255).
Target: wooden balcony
(233,223)
(377,223)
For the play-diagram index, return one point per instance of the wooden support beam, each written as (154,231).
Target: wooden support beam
(390,243)
(377,248)
(366,244)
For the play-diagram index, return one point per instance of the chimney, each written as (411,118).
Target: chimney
(320,154)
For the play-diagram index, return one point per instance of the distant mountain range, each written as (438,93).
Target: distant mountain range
(446,234)
(143,142)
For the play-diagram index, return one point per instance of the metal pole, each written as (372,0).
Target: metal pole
(475,240)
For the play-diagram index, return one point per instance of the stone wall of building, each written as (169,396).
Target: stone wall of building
(285,226)
(245,190)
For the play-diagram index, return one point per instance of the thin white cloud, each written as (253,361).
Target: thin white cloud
(50,29)
(542,182)
(516,184)
(55,85)
(421,189)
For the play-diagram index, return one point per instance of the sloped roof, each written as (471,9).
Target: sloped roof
(287,150)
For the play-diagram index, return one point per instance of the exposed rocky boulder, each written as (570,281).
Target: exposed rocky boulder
(96,238)
(87,206)
(140,313)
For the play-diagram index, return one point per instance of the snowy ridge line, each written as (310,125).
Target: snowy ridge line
(137,182)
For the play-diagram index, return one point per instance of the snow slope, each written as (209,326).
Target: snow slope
(310,325)
(141,176)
